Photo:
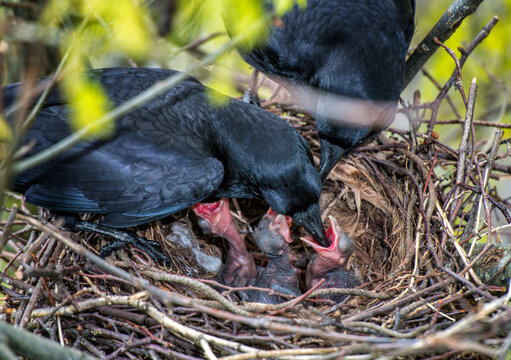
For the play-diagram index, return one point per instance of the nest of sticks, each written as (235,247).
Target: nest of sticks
(431,254)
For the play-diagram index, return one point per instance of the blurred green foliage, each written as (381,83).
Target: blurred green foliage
(5,130)
(108,26)
(121,25)
(490,63)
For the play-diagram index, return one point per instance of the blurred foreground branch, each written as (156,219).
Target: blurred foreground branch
(34,347)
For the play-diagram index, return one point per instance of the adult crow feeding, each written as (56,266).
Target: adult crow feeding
(166,155)
(354,49)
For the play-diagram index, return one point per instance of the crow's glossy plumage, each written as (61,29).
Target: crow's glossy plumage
(168,154)
(352,48)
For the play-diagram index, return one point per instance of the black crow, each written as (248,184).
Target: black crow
(169,154)
(350,48)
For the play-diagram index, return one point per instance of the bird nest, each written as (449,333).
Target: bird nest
(427,222)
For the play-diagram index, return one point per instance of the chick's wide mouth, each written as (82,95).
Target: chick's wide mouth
(332,234)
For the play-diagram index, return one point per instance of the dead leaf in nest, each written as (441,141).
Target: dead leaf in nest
(362,186)
(378,226)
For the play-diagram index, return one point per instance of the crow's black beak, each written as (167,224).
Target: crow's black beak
(330,155)
(310,219)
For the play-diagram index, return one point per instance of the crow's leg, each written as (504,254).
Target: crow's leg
(250,95)
(122,238)
(239,266)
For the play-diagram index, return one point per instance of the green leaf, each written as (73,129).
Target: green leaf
(282,6)
(246,18)
(5,130)
(87,102)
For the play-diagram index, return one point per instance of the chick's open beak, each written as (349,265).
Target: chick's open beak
(280,223)
(341,245)
(310,219)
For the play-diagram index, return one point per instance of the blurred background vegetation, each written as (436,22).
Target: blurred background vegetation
(490,63)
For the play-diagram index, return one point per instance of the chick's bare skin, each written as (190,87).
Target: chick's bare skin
(239,267)
(272,236)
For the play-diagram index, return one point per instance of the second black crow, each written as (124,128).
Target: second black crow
(352,49)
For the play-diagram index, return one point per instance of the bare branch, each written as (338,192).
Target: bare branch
(443,29)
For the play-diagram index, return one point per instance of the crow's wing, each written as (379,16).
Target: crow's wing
(157,162)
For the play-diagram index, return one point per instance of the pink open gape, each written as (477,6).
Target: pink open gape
(329,258)
(239,266)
